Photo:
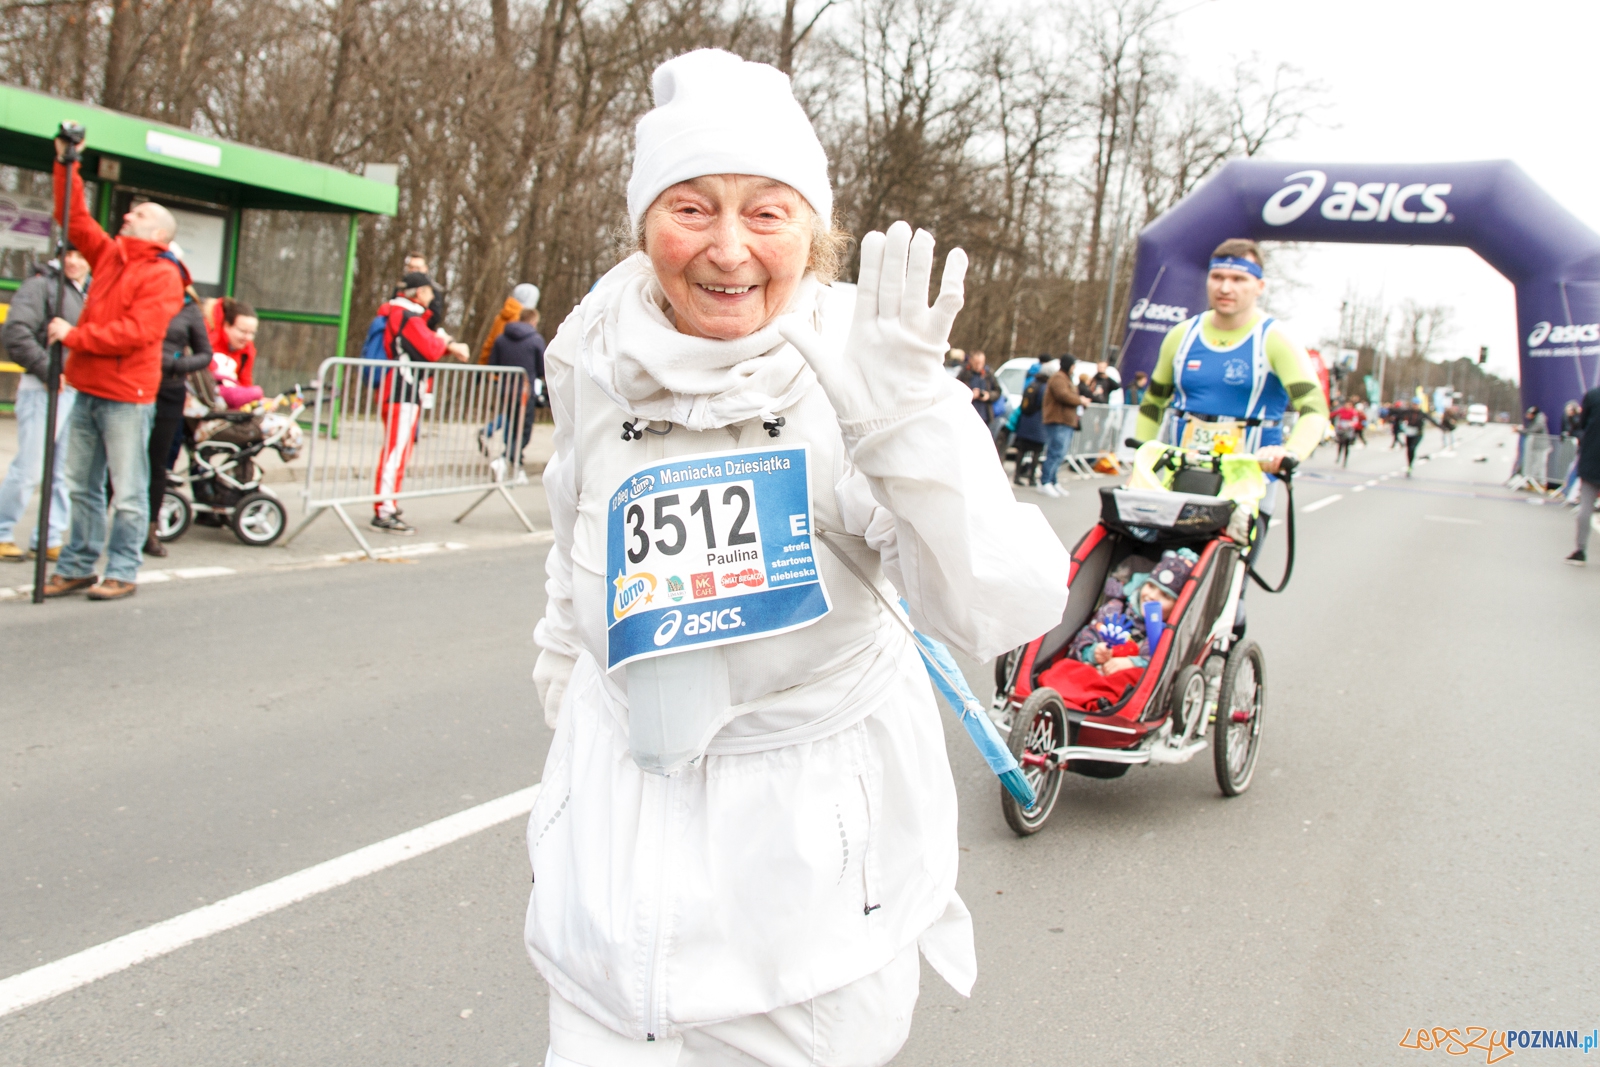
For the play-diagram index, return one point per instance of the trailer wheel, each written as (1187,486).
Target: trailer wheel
(1237,733)
(1037,728)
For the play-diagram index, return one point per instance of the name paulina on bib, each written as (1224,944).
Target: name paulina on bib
(710,549)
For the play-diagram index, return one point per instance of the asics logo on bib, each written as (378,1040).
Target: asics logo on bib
(704,623)
(1543,333)
(1419,202)
(1143,309)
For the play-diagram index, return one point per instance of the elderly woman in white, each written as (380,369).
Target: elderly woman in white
(742,844)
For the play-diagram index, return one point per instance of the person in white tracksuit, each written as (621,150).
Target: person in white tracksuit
(760,896)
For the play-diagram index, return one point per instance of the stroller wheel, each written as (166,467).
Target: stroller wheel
(258,519)
(174,517)
(1236,737)
(1004,667)
(1038,727)
(1188,703)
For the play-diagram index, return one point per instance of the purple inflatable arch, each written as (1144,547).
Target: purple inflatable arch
(1490,207)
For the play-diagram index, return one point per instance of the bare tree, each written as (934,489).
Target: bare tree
(791,35)
(1266,110)
(1034,138)
(1421,328)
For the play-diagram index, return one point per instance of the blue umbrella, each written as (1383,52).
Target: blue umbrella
(952,685)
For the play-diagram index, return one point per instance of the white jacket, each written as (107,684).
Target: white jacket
(817,838)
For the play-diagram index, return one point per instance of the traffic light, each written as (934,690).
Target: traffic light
(1483,354)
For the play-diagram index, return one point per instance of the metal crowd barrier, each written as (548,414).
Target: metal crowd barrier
(360,403)
(1543,461)
(1100,431)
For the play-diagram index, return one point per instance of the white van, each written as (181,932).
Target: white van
(1477,414)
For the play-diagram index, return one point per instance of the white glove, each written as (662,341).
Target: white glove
(892,364)
(551,673)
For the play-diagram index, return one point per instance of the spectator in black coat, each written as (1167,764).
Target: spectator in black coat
(32,307)
(520,345)
(186,348)
(975,375)
(1588,471)
(417,263)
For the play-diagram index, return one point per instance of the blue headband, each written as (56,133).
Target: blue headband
(1236,263)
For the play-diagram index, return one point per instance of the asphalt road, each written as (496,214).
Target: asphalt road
(1419,847)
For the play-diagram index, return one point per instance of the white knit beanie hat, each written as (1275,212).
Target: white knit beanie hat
(526,294)
(718,114)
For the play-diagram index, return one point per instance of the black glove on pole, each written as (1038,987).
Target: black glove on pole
(72,134)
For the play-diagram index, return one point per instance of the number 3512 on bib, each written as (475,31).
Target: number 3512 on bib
(708,550)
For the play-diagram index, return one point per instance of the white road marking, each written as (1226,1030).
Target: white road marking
(150,577)
(1452,518)
(1357,489)
(426,548)
(1320,504)
(69,973)
(203,572)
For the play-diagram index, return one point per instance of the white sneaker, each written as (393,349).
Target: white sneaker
(1049,489)
(498,466)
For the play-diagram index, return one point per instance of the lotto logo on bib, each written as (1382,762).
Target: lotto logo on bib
(730,528)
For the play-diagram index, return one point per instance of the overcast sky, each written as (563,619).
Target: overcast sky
(1412,81)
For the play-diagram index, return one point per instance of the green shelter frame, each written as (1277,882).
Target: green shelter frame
(274,229)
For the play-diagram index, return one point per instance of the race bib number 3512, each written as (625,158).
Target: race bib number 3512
(709,550)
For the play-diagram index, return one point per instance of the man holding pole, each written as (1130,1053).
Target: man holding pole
(114,362)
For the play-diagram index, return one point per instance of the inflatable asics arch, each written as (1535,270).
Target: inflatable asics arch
(1490,207)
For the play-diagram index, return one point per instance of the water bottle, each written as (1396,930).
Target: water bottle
(1153,623)
(676,704)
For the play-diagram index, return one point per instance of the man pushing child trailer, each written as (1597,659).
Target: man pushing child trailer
(747,829)
(1157,597)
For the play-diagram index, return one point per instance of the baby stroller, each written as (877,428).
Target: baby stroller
(223,477)
(1203,679)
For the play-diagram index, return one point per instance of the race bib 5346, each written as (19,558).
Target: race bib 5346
(708,550)
(1223,436)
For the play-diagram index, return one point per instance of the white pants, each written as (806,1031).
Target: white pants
(862,1024)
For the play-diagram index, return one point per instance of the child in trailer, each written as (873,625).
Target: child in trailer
(1109,654)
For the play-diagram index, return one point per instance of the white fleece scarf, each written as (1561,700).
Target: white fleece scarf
(638,358)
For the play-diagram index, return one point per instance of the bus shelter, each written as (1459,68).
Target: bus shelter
(274,230)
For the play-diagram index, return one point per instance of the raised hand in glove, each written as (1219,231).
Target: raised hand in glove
(892,364)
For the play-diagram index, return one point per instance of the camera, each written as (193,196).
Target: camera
(71,132)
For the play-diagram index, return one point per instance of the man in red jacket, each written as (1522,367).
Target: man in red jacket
(114,362)
(408,341)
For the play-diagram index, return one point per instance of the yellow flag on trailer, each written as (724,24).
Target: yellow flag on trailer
(1242,480)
